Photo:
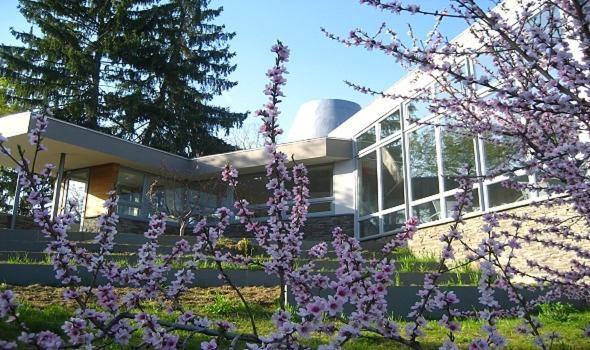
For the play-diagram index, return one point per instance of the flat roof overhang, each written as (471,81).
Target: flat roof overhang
(85,148)
(316,151)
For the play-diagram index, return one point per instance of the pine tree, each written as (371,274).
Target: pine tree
(65,67)
(182,60)
(145,70)
(5,108)
(7,175)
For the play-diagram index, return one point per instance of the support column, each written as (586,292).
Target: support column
(58,181)
(16,204)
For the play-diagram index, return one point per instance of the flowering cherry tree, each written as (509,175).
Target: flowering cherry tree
(526,91)
(539,103)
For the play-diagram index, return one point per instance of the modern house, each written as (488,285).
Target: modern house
(370,168)
(89,164)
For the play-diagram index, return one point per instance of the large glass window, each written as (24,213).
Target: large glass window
(418,109)
(366,139)
(499,193)
(451,204)
(457,151)
(369,227)
(427,212)
(394,221)
(392,173)
(500,153)
(320,207)
(320,181)
(211,194)
(423,164)
(252,187)
(76,192)
(425,160)
(367,175)
(130,190)
(391,124)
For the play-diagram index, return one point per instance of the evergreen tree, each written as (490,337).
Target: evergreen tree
(145,70)
(181,62)
(7,175)
(5,108)
(65,67)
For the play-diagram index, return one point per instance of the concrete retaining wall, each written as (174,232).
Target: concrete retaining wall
(426,240)
(27,274)
(400,300)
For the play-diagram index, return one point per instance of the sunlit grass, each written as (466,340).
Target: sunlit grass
(217,304)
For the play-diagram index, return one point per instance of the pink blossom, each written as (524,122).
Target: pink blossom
(209,345)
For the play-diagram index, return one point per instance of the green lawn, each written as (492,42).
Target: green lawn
(40,312)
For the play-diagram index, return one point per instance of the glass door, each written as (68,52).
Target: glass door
(76,192)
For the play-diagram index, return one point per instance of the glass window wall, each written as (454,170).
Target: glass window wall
(423,163)
(394,221)
(130,190)
(366,139)
(416,172)
(367,185)
(369,227)
(391,124)
(392,172)
(457,151)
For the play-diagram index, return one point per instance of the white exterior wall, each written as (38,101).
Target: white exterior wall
(344,187)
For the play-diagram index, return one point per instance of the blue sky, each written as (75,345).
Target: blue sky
(318,65)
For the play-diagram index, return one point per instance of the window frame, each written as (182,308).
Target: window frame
(142,205)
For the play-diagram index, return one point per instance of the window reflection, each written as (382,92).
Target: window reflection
(369,227)
(394,221)
(498,194)
(500,154)
(253,188)
(211,194)
(391,124)
(366,139)
(320,181)
(392,173)
(423,165)
(427,212)
(451,204)
(76,192)
(130,191)
(130,186)
(368,184)
(457,151)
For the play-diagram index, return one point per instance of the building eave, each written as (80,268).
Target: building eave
(86,148)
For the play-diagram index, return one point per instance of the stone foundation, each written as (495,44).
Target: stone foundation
(427,239)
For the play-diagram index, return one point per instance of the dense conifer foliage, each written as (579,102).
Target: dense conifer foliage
(139,69)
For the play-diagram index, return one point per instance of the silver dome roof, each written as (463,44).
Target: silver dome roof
(317,118)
